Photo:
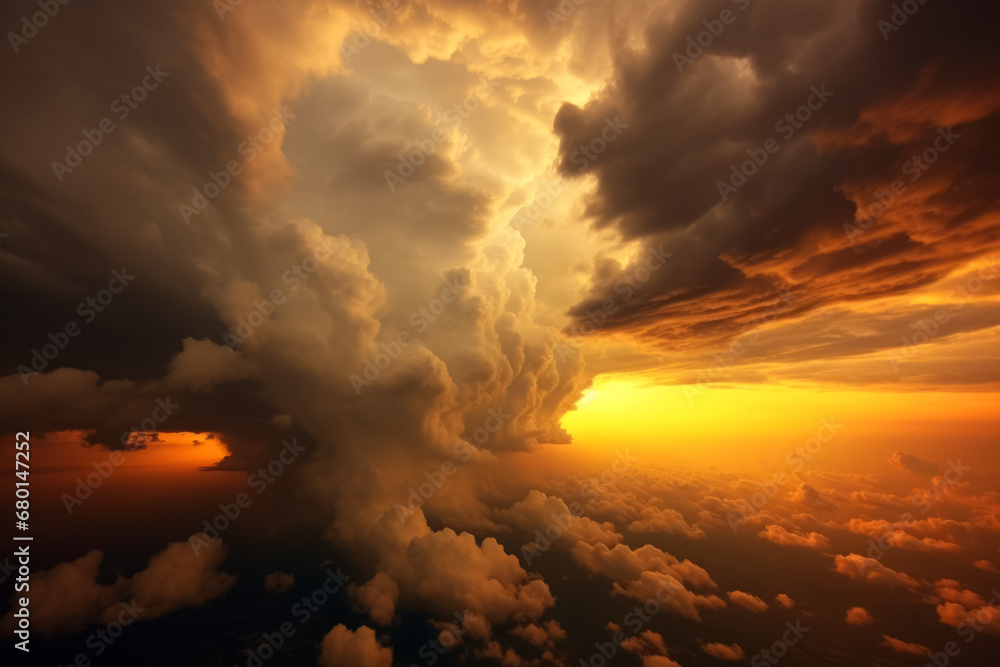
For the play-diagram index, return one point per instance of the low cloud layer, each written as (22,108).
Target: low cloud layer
(68,597)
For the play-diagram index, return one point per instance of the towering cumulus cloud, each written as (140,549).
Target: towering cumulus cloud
(273,273)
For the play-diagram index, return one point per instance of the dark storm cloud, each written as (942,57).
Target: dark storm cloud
(68,231)
(784,228)
(116,213)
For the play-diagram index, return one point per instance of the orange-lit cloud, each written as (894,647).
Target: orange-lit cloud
(906,648)
(751,602)
(859,616)
(343,647)
(779,535)
(730,652)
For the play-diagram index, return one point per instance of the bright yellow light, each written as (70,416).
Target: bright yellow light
(742,424)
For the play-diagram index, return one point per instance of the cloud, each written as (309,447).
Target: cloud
(648,573)
(904,540)
(645,643)
(473,625)
(953,591)
(896,535)
(539,635)
(494,651)
(279,582)
(959,615)
(779,535)
(441,571)
(912,463)
(811,496)
(202,364)
(378,597)
(869,570)
(986,566)
(731,652)
(875,499)
(899,646)
(784,600)
(781,230)
(552,517)
(668,521)
(622,563)
(751,602)
(67,598)
(859,616)
(658,661)
(309,300)
(665,589)
(342,647)
(961,607)
(180,576)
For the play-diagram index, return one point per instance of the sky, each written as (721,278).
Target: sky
(525,333)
